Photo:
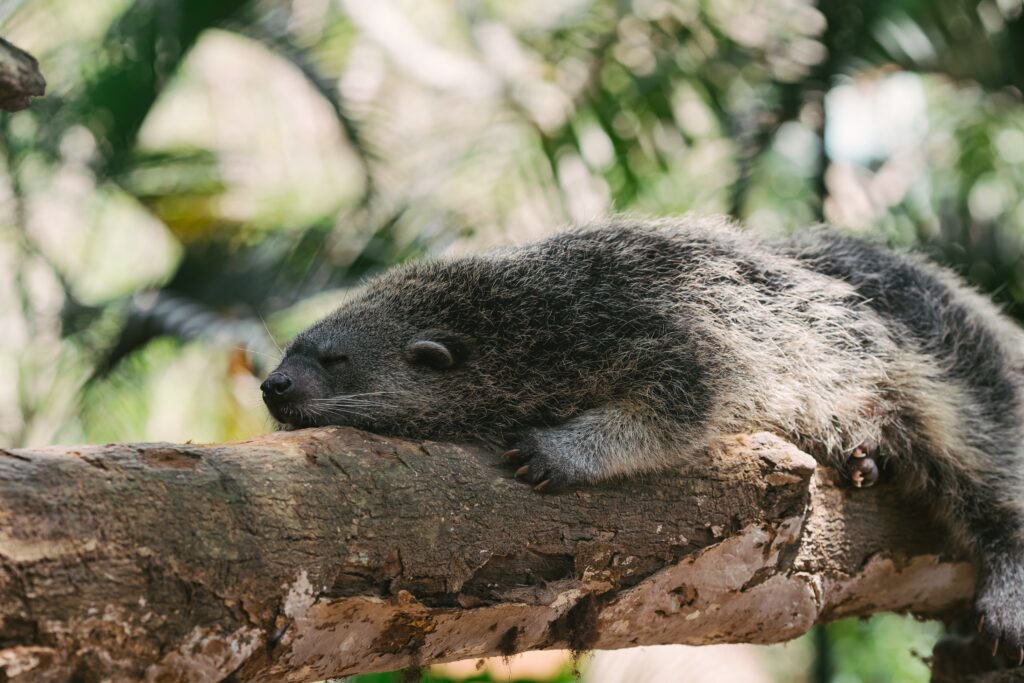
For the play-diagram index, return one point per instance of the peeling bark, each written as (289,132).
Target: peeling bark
(20,78)
(319,553)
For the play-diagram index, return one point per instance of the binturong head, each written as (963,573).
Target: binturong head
(405,357)
(372,366)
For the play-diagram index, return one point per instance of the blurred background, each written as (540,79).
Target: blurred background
(205,178)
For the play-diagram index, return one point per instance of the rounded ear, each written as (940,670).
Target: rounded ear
(437,351)
(430,353)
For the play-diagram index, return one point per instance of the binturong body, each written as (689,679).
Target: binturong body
(628,347)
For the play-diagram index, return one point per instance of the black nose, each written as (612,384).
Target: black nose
(277,384)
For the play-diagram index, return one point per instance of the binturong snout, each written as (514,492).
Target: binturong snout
(277,384)
(289,388)
(279,393)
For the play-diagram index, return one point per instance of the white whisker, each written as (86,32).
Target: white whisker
(338,402)
(249,349)
(270,335)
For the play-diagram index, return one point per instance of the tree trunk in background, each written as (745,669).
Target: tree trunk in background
(318,553)
(20,79)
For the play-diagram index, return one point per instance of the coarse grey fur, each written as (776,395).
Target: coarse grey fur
(628,347)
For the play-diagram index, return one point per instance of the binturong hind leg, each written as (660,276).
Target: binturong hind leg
(999,598)
(598,444)
(994,517)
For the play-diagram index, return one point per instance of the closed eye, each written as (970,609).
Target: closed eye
(333,359)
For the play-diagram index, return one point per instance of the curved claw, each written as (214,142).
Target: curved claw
(541,487)
(522,471)
(867,449)
(512,454)
(995,647)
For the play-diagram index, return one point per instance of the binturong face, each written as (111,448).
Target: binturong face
(361,367)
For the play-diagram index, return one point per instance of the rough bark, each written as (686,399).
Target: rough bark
(20,78)
(305,555)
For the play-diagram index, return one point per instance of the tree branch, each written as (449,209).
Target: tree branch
(20,78)
(306,555)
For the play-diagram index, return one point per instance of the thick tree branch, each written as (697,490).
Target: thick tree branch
(305,555)
(20,78)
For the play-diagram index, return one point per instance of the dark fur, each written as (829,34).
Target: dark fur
(627,348)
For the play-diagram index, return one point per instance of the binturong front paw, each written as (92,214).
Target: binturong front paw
(543,460)
(1000,606)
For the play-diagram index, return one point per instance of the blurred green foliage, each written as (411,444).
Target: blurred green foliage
(566,676)
(881,649)
(204,178)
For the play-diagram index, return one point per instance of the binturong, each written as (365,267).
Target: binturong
(627,347)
